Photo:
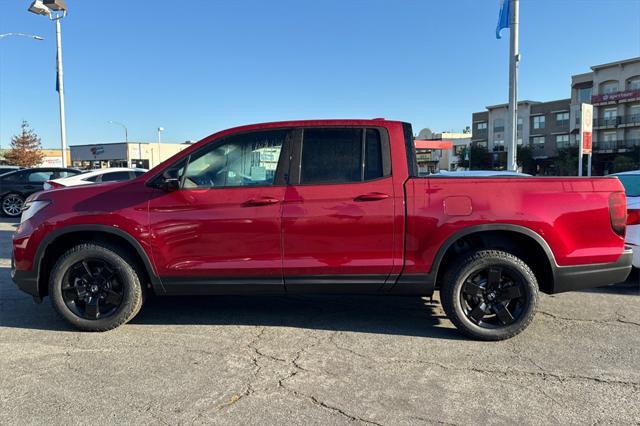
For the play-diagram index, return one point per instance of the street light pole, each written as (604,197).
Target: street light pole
(126,132)
(160,130)
(63,125)
(56,10)
(33,36)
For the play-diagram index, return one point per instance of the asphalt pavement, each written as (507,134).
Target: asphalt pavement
(319,360)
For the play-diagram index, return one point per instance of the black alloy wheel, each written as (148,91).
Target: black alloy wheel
(489,294)
(493,297)
(92,289)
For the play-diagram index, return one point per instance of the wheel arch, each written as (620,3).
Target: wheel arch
(518,240)
(62,239)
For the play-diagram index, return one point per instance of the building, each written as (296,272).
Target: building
(53,158)
(614,91)
(123,154)
(456,158)
(544,127)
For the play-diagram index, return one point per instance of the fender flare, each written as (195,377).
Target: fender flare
(488,227)
(106,229)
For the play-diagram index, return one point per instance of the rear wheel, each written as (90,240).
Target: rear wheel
(490,295)
(95,288)
(12,205)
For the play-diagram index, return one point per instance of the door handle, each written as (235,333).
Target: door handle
(264,201)
(372,196)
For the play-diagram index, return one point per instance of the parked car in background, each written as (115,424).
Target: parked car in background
(631,183)
(112,174)
(7,169)
(324,206)
(16,186)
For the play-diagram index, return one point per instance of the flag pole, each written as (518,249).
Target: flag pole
(514,58)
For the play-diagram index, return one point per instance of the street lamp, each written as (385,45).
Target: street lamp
(126,132)
(33,36)
(56,10)
(160,130)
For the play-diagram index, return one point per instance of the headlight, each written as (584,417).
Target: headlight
(30,208)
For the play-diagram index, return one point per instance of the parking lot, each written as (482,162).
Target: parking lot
(319,360)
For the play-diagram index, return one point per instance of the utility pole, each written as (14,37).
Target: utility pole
(514,59)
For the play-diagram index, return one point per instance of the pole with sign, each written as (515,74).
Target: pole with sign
(586,136)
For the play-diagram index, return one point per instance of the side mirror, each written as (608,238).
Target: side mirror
(170,184)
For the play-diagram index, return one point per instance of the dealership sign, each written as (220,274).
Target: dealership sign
(586,128)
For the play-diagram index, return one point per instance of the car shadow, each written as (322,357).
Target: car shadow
(407,316)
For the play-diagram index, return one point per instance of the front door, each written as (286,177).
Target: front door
(338,215)
(222,227)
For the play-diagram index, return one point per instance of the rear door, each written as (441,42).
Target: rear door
(338,212)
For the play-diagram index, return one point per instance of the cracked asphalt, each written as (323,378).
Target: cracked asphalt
(319,360)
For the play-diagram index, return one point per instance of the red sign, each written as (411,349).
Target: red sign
(433,144)
(587,143)
(617,96)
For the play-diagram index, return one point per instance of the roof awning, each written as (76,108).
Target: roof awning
(439,144)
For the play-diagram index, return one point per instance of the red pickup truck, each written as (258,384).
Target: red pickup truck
(325,206)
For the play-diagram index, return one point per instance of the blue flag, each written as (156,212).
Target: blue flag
(504,19)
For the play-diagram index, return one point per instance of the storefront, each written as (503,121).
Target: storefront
(132,154)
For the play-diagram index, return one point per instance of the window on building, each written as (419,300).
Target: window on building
(336,156)
(562,118)
(498,125)
(562,141)
(482,144)
(538,122)
(458,149)
(610,116)
(609,87)
(634,114)
(584,95)
(537,142)
(519,126)
(482,126)
(498,145)
(633,83)
(243,160)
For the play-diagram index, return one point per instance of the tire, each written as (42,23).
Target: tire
(12,204)
(95,287)
(489,295)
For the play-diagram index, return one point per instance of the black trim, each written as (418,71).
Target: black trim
(52,236)
(175,286)
(570,278)
(414,285)
(26,281)
(435,268)
(412,163)
(335,284)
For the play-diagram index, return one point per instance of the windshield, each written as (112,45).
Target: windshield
(631,184)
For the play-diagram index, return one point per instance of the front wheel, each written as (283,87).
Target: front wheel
(95,288)
(12,205)
(490,294)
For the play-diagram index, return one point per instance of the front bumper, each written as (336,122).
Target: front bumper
(570,278)
(26,281)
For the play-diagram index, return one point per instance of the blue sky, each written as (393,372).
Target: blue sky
(195,67)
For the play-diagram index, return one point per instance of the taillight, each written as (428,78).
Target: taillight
(633,217)
(618,212)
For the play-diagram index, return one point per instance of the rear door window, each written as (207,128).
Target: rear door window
(343,155)
(40,177)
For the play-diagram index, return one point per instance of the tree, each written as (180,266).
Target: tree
(26,149)
(622,163)
(478,157)
(525,159)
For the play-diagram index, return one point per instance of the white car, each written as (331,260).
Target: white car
(631,183)
(112,174)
